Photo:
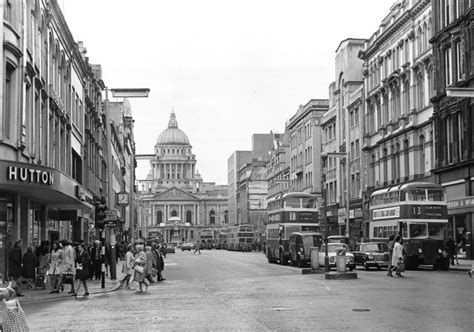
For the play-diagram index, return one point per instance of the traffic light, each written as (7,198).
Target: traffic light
(100,209)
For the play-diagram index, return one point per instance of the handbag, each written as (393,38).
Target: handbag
(401,266)
(139,269)
(13,317)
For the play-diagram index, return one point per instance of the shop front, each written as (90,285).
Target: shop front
(460,223)
(39,204)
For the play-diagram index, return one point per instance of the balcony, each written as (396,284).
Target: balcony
(299,170)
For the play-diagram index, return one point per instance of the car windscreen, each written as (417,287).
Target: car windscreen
(374,247)
(336,246)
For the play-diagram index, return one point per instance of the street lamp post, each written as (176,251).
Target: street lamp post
(120,93)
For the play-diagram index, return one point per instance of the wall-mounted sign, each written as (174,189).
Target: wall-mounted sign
(26,174)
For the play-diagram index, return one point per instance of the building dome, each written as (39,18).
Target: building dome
(172,135)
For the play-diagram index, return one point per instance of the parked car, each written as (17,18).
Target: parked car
(371,254)
(187,246)
(170,248)
(332,251)
(300,244)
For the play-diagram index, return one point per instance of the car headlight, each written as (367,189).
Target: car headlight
(440,251)
(420,250)
(371,257)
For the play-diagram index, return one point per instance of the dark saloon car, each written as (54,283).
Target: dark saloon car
(371,254)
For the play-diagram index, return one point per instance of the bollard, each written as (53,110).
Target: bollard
(314,256)
(341,260)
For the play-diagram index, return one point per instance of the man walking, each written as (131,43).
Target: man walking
(198,247)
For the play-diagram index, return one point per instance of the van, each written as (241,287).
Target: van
(300,244)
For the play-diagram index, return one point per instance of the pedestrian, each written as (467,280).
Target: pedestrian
(82,270)
(453,250)
(149,264)
(14,267)
(160,262)
(391,242)
(29,267)
(96,260)
(54,271)
(197,248)
(140,268)
(68,265)
(470,272)
(127,266)
(43,257)
(397,256)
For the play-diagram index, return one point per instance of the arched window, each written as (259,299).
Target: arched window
(385,166)
(422,155)
(159,217)
(406,161)
(212,217)
(189,217)
(174,213)
(420,87)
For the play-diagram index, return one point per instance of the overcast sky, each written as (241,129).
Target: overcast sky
(228,68)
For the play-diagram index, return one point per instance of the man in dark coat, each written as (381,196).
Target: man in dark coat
(14,266)
(29,267)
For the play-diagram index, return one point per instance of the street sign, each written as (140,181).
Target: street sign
(110,223)
(110,215)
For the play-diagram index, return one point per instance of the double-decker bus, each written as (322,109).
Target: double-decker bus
(240,237)
(288,213)
(221,240)
(206,236)
(417,212)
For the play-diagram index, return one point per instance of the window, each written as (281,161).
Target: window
(159,217)
(455,137)
(448,69)
(174,213)
(8,92)
(458,55)
(212,217)
(189,216)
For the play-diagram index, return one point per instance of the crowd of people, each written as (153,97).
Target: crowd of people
(63,262)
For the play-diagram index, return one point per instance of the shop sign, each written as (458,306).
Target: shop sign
(461,203)
(26,174)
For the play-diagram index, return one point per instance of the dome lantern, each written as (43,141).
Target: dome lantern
(172,135)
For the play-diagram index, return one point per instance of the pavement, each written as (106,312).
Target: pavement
(95,287)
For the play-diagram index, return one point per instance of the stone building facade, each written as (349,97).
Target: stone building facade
(399,137)
(304,131)
(52,133)
(453,50)
(173,202)
(342,133)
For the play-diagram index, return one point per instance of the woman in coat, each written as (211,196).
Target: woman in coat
(29,267)
(14,266)
(140,268)
(397,255)
(127,267)
(83,261)
(55,266)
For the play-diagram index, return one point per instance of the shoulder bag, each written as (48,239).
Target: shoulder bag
(13,317)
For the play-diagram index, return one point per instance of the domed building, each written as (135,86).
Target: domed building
(173,202)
